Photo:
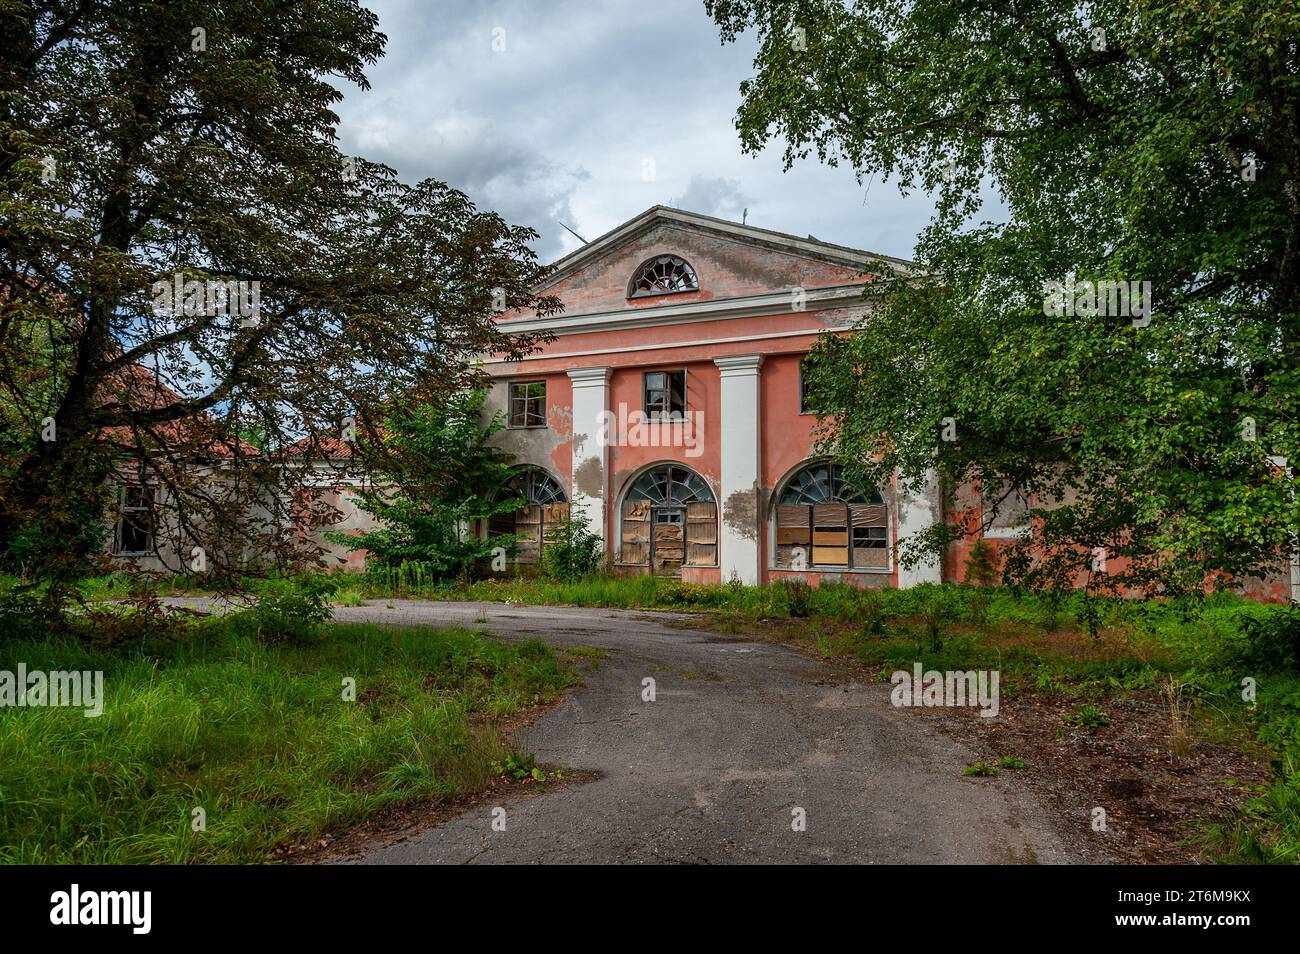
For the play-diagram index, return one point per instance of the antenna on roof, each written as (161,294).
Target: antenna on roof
(573,233)
(744,216)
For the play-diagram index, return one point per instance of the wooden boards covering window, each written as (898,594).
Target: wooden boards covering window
(531,524)
(832,535)
(702,533)
(692,541)
(636,533)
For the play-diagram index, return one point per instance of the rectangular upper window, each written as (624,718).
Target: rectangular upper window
(664,395)
(1012,506)
(527,404)
(133,534)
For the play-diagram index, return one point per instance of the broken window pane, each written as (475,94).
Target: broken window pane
(527,404)
(663,275)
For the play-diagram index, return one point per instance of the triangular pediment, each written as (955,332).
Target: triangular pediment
(729,260)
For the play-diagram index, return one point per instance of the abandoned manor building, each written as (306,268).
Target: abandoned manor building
(669,407)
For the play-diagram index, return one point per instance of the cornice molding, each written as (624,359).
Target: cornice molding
(747,306)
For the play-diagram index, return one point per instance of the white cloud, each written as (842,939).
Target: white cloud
(557,127)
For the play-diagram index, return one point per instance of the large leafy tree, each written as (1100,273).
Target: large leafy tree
(442,476)
(1128,140)
(144,146)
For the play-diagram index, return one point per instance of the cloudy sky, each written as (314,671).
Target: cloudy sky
(585,99)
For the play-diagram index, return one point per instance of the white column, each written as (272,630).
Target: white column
(741,516)
(918,510)
(1280,463)
(590,446)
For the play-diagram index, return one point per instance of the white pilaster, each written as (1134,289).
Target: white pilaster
(591,446)
(741,506)
(918,510)
(1280,462)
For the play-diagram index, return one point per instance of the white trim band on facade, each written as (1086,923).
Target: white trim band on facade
(747,306)
(667,346)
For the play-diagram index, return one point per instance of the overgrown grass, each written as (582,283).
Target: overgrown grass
(1196,652)
(259,737)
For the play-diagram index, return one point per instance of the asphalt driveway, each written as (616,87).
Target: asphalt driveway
(740,734)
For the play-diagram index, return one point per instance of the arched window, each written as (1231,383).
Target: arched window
(663,275)
(824,520)
(546,504)
(538,487)
(669,520)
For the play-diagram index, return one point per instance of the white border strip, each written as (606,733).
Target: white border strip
(666,346)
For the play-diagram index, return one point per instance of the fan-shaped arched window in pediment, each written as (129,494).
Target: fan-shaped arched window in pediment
(663,275)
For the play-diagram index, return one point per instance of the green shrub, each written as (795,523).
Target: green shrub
(1269,642)
(289,615)
(872,613)
(572,550)
(1086,716)
(24,614)
(798,597)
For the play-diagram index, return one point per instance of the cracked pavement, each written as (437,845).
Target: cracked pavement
(740,734)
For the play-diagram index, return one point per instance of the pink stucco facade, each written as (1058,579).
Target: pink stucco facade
(756,303)
(762,300)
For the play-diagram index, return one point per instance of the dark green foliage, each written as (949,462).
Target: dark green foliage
(71,536)
(441,475)
(1166,151)
(26,614)
(798,597)
(289,614)
(982,564)
(872,614)
(1269,643)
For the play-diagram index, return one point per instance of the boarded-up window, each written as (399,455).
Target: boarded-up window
(870,535)
(546,508)
(670,519)
(702,533)
(636,533)
(528,526)
(824,521)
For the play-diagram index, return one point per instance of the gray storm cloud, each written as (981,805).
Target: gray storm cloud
(551,113)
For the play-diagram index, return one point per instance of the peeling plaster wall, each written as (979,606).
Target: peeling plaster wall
(355,521)
(547,447)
